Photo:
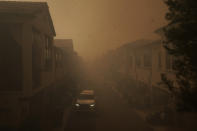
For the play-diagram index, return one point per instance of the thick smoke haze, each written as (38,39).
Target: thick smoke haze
(97,26)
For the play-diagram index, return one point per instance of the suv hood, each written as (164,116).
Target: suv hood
(85,101)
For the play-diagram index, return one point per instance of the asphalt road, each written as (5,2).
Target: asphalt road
(113,115)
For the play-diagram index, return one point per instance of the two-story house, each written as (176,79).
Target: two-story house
(26,66)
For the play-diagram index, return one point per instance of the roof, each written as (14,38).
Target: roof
(139,43)
(26,8)
(87,92)
(64,43)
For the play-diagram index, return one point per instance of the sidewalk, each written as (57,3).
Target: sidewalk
(143,115)
(144,112)
(66,116)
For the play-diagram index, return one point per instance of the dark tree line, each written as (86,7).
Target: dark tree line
(181,42)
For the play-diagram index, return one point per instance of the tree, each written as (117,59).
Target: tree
(181,42)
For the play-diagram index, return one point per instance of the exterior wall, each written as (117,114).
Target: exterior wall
(156,69)
(59,64)
(27,61)
(9,107)
(144,63)
(17,105)
(65,66)
(16,108)
(156,75)
(139,72)
(42,69)
(42,26)
(151,76)
(133,69)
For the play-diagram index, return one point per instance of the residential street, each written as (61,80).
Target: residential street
(113,115)
(98,65)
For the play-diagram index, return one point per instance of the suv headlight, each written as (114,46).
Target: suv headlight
(92,105)
(77,105)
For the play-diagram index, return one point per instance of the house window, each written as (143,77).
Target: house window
(35,36)
(36,58)
(138,62)
(48,53)
(58,58)
(159,60)
(169,62)
(130,61)
(147,60)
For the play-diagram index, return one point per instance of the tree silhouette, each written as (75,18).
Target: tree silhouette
(181,42)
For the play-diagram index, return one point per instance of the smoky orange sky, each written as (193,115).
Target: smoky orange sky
(100,25)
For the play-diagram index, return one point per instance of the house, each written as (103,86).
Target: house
(140,65)
(68,53)
(151,60)
(65,44)
(27,66)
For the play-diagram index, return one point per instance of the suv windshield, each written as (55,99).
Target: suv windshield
(86,97)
